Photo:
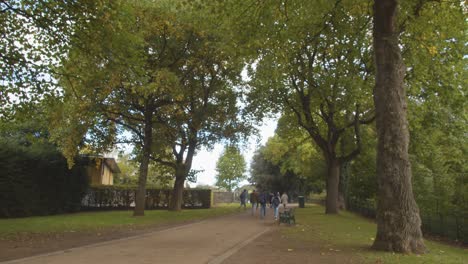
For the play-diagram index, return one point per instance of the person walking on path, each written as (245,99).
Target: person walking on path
(284,199)
(254,201)
(275,202)
(262,199)
(243,197)
(270,198)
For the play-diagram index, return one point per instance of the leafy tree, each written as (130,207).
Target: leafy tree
(157,76)
(36,36)
(316,66)
(230,168)
(266,175)
(206,110)
(119,79)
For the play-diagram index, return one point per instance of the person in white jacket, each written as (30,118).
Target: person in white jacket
(284,199)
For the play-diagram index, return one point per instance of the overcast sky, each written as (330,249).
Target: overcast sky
(206,160)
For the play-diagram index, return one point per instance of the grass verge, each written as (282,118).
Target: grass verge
(353,234)
(93,221)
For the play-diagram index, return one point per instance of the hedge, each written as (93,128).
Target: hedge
(35,180)
(123,197)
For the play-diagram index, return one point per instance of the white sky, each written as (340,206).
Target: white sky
(206,160)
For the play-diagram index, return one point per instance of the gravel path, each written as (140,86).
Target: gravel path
(209,241)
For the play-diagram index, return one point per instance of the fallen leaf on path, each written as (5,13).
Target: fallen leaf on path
(290,249)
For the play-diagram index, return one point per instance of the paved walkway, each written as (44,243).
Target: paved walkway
(210,241)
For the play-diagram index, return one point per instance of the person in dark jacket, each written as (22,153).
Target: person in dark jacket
(254,201)
(243,198)
(270,197)
(275,203)
(262,200)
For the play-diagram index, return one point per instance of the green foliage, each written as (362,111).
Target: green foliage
(123,196)
(362,181)
(158,175)
(230,168)
(268,176)
(35,180)
(36,35)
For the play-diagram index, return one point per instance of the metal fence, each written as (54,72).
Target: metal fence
(452,226)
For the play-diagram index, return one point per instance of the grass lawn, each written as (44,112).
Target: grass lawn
(93,221)
(354,234)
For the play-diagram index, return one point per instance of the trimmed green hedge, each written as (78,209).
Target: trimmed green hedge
(35,180)
(123,197)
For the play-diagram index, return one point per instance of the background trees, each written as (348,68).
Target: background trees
(230,168)
(317,67)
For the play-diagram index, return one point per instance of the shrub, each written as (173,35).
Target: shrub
(35,180)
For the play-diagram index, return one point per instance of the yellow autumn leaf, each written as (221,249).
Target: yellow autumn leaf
(432,50)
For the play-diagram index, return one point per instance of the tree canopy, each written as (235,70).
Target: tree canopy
(172,77)
(230,168)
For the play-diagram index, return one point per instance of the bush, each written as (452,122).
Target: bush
(35,180)
(123,197)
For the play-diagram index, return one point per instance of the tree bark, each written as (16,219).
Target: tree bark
(178,191)
(398,221)
(333,180)
(182,170)
(140,199)
(343,185)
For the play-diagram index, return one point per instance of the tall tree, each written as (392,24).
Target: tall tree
(230,168)
(317,68)
(398,221)
(119,79)
(207,112)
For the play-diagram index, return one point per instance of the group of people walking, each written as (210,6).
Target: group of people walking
(261,199)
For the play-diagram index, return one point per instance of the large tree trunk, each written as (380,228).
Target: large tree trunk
(178,191)
(140,199)
(333,179)
(343,185)
(398,221)
(182,170)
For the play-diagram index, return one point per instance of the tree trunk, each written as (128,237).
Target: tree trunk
(398,221)
(140,199)
(343,185)
(333,179)
(182,170)
(178,191)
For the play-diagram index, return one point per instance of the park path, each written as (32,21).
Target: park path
(210,241)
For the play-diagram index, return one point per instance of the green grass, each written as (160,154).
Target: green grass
(351,233)
(93,221)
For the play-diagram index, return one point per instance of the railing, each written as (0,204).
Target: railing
(452,226)
(123,197)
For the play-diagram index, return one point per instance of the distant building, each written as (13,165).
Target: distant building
(101,171)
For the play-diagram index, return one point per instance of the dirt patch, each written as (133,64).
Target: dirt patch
(275,248)
(26,245)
